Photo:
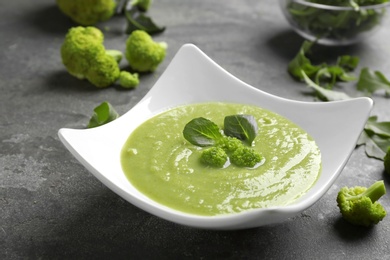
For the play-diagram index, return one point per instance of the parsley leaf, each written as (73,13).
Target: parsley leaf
(323,93)
(376,138)
(371,81)
(323,74)
(301,63)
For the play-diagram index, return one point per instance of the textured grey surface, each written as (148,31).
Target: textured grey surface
(52,208)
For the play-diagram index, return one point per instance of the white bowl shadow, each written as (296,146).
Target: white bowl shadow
(192,77)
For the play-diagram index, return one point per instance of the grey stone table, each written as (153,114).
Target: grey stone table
(53,208)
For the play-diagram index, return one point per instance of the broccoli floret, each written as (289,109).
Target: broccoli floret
(104,71)
(245,157)
(229,144)
(359,205)
(214,156)
(87,12)
(142,53)
(85,56)
(128,80)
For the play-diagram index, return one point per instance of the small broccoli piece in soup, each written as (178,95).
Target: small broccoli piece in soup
(214,156)
(245,157)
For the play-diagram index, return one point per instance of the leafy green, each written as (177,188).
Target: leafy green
(202,132)
(337,25)
(323,93)
(138,20)
(301,63)
(323,74)
(349,63)
(103,114)
(371,81)
(243,127)
(376,138)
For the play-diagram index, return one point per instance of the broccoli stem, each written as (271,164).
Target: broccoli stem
(374,192)
(117,55)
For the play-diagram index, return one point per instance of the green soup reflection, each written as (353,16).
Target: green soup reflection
(161,164)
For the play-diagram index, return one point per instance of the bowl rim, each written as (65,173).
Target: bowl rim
(340,8)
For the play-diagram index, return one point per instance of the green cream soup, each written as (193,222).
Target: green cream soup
(160,163)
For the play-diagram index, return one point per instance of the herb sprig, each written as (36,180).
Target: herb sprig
(376,135)
(137,18)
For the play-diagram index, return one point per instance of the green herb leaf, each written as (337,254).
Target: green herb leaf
(138,20)
(202,132)
(376,138)
(338,25)
(371,81)
(378,128)
(301,63)
(349,63)
(324,94)
(243,127)
(103,114)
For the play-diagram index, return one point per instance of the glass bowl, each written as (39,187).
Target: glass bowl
(333,25)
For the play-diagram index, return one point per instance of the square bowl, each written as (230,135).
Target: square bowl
(192,77)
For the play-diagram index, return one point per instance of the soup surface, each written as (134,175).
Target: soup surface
(161,164)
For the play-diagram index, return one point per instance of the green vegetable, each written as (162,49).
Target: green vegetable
(229,144)
(324,94)
(301,63)
(338,25)
(87,12)
(137,19)
(203,132)
(142,53)
(245,157)
(359,205)
(85,56)
(322,74)
(128,80)
(103,114)
(376,138)
(372,81)
(386,161)
(214,156)
(243,127)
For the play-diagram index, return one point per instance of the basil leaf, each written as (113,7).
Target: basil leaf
(370,81)
(324,94)
(103,114)
(243,127)
(202,132)
(138,20)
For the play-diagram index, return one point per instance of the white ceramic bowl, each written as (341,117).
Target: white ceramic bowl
(192,77)
(333,25)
